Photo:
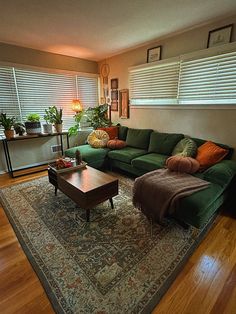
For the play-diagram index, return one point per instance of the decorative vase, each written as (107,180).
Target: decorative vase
(58,127)
(47,128)
(33,127)
(9,134)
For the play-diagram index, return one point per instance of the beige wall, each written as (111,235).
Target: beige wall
(214,124)
(32,57)
(35,151)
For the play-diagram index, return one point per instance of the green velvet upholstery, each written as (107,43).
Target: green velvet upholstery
(126,154)
(95,157)
(197,208)
(122,132)
(163,143)
(148,150)
(138,138)
(149,162)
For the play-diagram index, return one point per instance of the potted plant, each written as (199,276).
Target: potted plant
(47,128)
(19,128)
(97,116)
(32,125)
(7,124)
(55,116)
(74,129)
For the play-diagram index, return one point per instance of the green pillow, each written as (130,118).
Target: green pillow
(163,143)
(138,138)
(186,148)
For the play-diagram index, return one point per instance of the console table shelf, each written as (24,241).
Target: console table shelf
(5,142)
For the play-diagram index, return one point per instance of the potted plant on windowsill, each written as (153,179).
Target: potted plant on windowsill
(19,128)
(47,128)
(97,116)
(33,125)
(7,124)
(55,116)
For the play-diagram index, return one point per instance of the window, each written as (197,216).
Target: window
(155,85)
(207,77)
(25,91)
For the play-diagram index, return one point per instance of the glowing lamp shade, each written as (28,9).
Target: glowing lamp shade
(76,105)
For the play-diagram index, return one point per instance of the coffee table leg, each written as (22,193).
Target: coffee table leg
(87,214)
(55,190)
(111,202)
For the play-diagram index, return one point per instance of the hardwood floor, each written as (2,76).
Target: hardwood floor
(207,283)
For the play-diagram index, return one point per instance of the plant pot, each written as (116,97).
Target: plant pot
(9,134)
(33,127)
(58,128)
(47,128)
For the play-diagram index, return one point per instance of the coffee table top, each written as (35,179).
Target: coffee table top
(87,179)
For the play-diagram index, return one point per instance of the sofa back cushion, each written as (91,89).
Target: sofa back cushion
(122,132)
(163,143)
(138,138)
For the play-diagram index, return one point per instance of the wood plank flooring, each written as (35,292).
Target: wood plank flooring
(206,285)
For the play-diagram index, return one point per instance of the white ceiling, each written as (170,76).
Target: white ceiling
(96,29)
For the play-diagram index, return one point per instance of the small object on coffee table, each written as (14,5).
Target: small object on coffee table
(78,157)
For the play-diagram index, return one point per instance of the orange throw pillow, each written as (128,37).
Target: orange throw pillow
(112,131)
(209,154)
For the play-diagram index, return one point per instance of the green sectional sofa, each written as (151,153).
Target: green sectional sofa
(148,150)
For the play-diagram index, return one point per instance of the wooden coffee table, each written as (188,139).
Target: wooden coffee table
(87,187)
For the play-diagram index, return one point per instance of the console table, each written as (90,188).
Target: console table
(5,141)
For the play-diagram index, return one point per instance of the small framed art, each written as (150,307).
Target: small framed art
(124,103)
(114,83)
(220,36)
(154,54)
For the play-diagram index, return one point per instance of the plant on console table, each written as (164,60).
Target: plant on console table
(7,123)
(33,125)
(54,115)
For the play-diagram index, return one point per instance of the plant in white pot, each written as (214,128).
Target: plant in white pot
(47,127)
(33,125)
(55,116)
(7,124)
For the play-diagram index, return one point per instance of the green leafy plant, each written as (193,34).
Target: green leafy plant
(53,115)
(33,117)
(74,129)
(97,116)
(6,122)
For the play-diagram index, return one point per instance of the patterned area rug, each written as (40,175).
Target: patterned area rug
(117,263)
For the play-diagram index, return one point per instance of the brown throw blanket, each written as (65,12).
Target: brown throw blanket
(156,193)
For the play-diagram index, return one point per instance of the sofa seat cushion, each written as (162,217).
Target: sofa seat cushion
(138,138)
(88,153)
(126,154)
(150,162)
(163,143)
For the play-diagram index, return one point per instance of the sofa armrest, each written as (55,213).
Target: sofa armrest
(221,173)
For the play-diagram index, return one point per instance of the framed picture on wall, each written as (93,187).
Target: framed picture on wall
(220,36)
(124,103)
(114,83)
(114,105)
(154,54)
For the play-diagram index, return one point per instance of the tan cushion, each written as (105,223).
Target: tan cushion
(98,139)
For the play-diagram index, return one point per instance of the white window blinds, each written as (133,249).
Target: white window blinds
(8,96)
(87,91)
(209,80)
(25,91)
(206,77)
(38,90)
(154,84)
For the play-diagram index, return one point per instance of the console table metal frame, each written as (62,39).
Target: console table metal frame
(21,138)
